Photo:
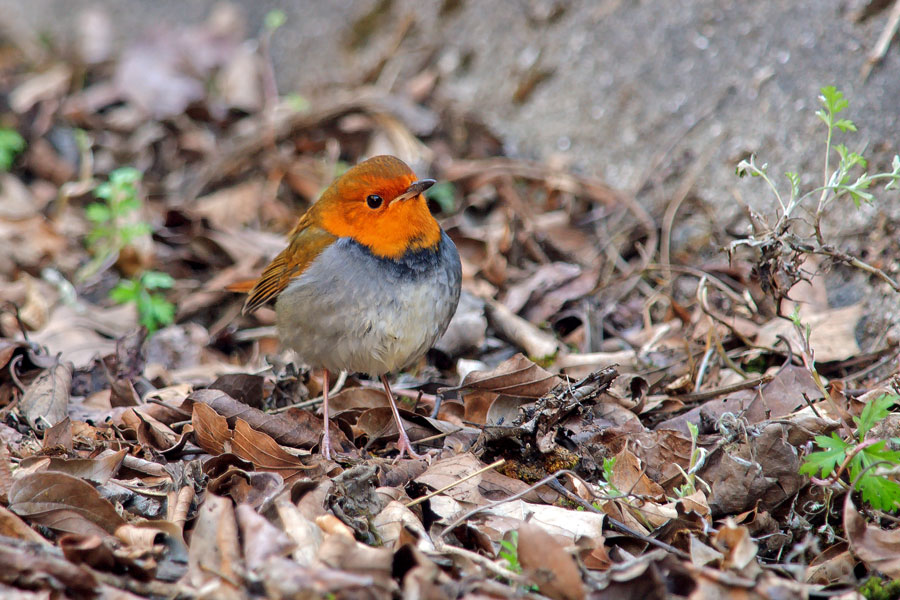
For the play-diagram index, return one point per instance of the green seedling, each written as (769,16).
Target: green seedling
(153,309)
(862,459)
(113,219)
(11,145)
(608,466)
(698,457)
(444,194)
(509,551)
(849,179)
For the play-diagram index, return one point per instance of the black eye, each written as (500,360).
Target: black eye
(374,201)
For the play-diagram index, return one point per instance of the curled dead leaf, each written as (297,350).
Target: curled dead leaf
(546,562)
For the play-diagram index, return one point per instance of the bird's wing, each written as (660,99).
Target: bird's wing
(307,242)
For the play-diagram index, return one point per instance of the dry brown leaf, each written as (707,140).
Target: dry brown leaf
(87,550)
(59,436)
(210,429)
(287,429)
(16,202)
(46,400)
(878,548)
(37,87)
(630,475)
(306,535)
(834,565)
(260,539)
(546,562)
(214,555)
(478,490)
(341,551)
(251,488)
(146,534)
(356,398)
(266,454)
(771,479)
(832,332)
(516,376)
(63,503)
(243,387)
(97,470)
(558,521)
(393,523)
(234,207)
(28,563)
(12,526)
(737,546)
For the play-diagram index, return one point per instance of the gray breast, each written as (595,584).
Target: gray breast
(353,311)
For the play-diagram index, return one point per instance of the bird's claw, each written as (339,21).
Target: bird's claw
(405,447)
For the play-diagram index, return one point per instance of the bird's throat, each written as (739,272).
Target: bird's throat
(407,226)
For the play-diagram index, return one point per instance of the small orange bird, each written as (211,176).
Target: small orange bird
(368,282)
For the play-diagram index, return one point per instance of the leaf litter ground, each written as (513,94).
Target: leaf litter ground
(599,422)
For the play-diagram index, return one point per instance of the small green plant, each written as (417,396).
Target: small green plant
(782,245)
(509,551)
(111,227)
(153,309)
(860,458)
(698,456)
(876,588)
(444,194)
(113,219)
(275,19)
(297,102)
(11,145)
(608,466)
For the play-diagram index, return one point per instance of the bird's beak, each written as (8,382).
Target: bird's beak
(415,189)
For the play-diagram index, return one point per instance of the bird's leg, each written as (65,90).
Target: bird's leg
(326,439)
(403,443)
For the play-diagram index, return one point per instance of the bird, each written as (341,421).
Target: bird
(368,282)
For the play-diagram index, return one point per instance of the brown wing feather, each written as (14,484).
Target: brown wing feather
(307,242)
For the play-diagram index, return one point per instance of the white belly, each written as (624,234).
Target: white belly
(355,312)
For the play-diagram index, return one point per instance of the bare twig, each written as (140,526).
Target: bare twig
(727,389)
(422,499)
(884,42)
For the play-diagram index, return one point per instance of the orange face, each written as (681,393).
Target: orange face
(379,204)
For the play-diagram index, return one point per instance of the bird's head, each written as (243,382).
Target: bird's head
(379,203)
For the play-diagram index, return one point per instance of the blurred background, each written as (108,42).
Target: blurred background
(635,92)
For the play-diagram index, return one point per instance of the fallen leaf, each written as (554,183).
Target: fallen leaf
(394,521)
(265,453)
(233,207)
(59,436)
(546,562)
(288,429)
(63,503)
(260,539)
(516,376)
(12,526)
(832,332)
(46,400)
(478,490)
(97,470)
(50,84)
(214,556)
(21,562)
(210,429)
(878,548)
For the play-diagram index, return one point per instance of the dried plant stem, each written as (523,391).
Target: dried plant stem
(422,499)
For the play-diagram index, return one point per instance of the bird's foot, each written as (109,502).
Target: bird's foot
(405,447)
